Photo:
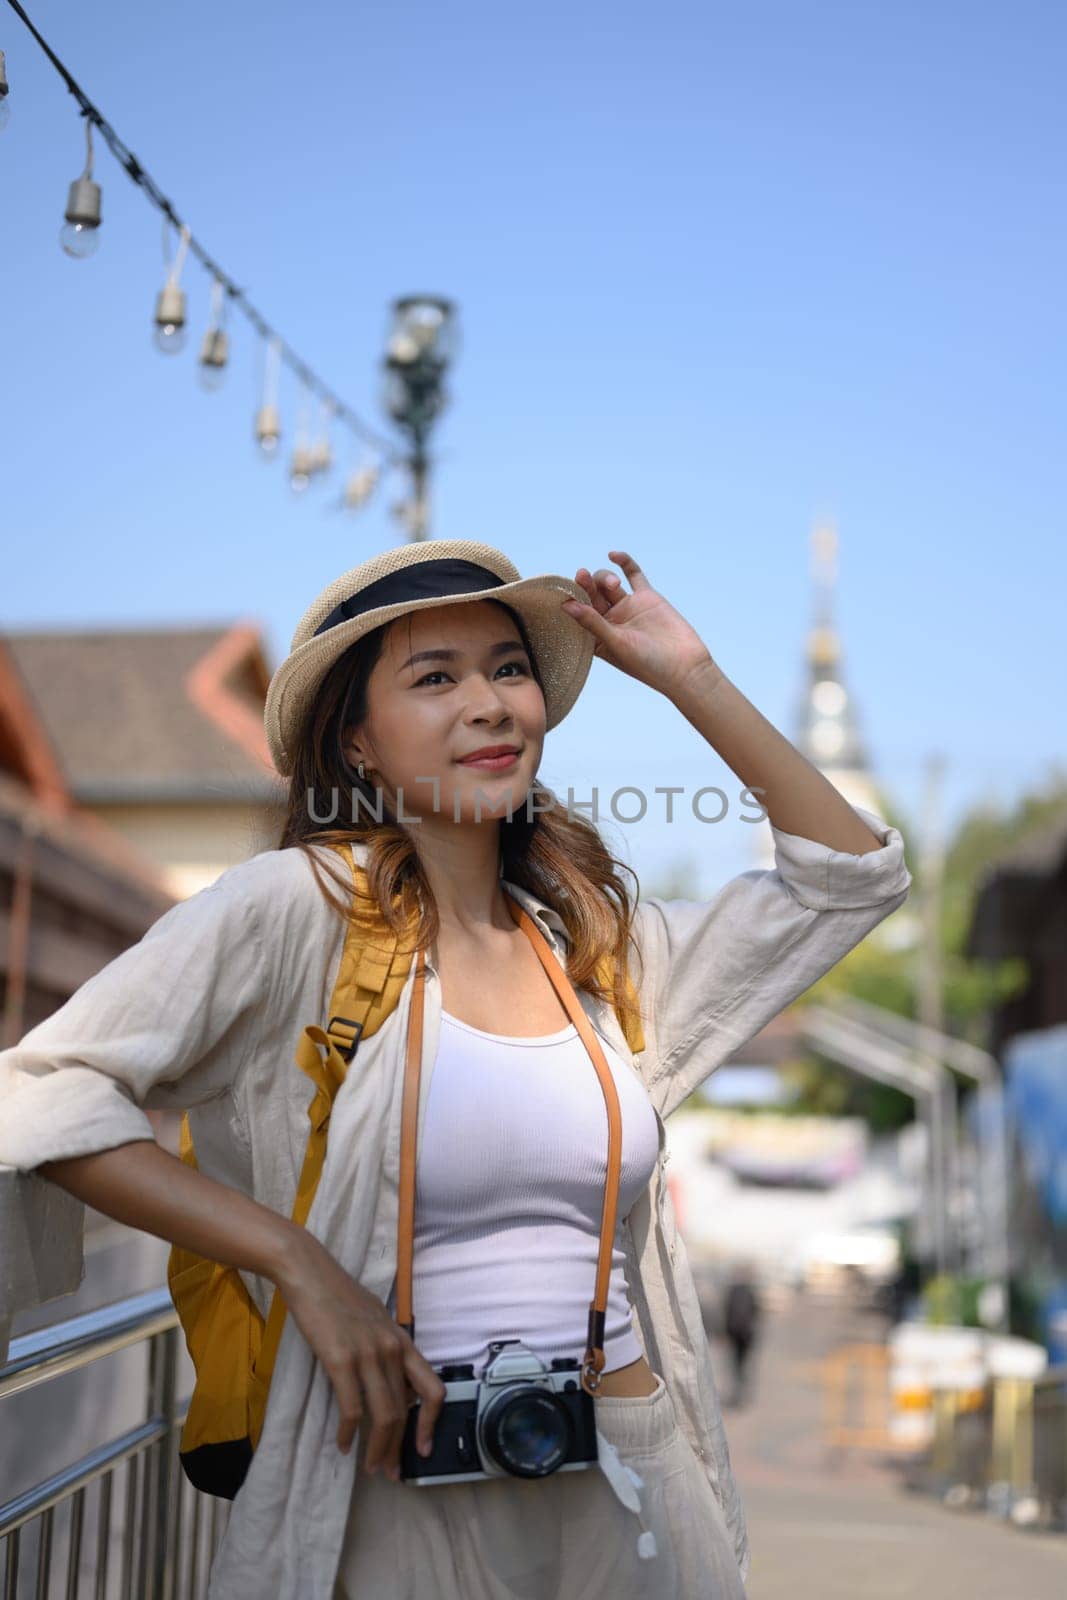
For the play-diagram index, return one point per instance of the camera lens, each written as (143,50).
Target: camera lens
(527,1431)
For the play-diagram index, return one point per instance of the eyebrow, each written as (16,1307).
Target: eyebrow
(504,648)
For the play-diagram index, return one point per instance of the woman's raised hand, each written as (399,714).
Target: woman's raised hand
(371,1362)
(639,632)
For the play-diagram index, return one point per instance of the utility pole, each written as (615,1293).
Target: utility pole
(931,1008)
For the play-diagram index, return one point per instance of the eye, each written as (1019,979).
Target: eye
(520,667)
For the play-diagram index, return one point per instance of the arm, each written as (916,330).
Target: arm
(643,635)
(368,1357)
(167,1025)
(172,1023)
(146,1187)
(796,796)
(714,972)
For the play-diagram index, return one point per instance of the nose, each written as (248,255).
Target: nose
(485,703)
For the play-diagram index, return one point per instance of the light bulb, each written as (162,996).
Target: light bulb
(79,239)
(300,469)
(169,338)
(170,320)
(360,487)
(403,348)
(80,233)
(214,353)
(320,456)
(268,429)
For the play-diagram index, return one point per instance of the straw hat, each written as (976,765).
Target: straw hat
(411,577)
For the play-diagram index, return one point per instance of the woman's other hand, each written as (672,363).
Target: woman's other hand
(371,1362)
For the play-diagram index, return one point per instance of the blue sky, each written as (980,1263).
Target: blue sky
(721,271)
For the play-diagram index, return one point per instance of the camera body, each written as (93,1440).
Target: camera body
(519,1419)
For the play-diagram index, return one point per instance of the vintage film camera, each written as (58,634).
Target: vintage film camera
(520,1419)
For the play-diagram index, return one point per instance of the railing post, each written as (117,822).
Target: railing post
(1022,1475)
(1003,1435)
(162,1398)
(943,1455)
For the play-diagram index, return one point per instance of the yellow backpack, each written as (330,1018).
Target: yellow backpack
(231,1347)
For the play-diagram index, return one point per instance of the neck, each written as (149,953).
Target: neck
(462,867)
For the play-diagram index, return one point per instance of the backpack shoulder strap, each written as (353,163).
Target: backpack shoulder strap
(370,978)
(371,973)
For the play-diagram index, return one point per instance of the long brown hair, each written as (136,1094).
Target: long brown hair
(559,857)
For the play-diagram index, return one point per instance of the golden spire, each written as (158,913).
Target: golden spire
(823,645)
(829,735)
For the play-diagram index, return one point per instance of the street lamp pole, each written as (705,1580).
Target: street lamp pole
(422,343)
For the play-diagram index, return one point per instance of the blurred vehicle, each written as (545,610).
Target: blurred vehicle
(866,1256)
(789,1151)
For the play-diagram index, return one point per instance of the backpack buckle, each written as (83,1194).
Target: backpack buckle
(345,1034)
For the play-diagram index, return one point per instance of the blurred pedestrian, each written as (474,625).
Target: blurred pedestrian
(741,1323)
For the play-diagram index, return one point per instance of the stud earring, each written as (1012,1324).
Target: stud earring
(361,773)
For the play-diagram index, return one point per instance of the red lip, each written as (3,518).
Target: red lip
(491,750)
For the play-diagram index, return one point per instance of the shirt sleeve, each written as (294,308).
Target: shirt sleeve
(165,1025)
(715,972)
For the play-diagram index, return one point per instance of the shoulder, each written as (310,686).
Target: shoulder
(277,887)
(269,870)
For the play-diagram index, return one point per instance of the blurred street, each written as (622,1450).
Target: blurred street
(822,1529)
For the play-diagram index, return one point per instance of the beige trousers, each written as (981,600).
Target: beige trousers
(564,1537)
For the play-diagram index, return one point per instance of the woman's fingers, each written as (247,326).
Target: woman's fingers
(609,585)
(384,1392)
(349,1392)
(594,593)
(632,570)
(380,1397)
(431,1391)
(399,1408)
(605,588)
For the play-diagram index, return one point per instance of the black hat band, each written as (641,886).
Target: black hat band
(422,580)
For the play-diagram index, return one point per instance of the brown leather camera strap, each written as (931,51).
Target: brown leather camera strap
(593,1361)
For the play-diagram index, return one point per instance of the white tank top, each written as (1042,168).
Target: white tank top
(509,1186)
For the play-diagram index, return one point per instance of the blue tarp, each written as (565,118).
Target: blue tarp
(1035,1066)
(1036,1084)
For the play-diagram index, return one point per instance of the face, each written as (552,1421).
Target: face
(450,681)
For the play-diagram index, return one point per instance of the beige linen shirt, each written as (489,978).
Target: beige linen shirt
(204,1015)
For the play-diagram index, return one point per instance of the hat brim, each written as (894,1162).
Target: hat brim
(562,647)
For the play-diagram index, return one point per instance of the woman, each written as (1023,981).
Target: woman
(401,672)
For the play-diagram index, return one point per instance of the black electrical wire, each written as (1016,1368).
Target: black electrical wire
(144,180)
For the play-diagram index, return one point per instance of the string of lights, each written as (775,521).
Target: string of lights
(79,237)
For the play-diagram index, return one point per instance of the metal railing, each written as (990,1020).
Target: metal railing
(161,1544)
(1002,1447)
(1010,1452)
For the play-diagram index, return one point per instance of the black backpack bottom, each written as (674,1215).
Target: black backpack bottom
(218,1469)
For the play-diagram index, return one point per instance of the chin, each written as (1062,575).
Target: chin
(494,799)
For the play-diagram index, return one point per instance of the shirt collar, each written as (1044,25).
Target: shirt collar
(548,920)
